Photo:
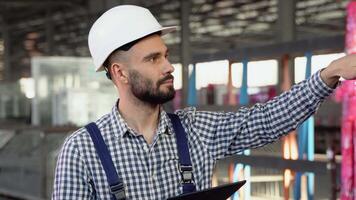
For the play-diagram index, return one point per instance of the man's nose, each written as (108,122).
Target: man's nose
(168,67)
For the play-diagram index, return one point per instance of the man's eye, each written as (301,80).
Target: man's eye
(154,59)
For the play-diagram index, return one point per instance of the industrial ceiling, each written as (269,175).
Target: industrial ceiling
(60,28)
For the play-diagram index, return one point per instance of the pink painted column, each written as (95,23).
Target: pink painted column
(346,93)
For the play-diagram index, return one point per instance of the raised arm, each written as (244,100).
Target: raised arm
(229,133)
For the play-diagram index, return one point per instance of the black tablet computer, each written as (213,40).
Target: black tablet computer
(221,192)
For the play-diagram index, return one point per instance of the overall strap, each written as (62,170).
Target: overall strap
(116,185)
(185,163)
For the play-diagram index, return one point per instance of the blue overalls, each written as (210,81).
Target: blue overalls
(116,184)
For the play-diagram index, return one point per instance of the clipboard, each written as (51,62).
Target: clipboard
(221,192)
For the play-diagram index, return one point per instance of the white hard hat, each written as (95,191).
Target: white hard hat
(119,26)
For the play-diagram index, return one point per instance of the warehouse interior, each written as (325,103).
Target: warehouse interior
(227,54)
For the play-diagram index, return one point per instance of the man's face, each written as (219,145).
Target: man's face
(150,77)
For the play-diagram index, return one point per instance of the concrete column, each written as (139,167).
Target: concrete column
(285,30)
(285,73)
(185,52)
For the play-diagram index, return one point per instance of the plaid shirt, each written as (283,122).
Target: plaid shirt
(151,171)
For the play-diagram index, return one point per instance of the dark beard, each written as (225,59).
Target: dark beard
(145,90)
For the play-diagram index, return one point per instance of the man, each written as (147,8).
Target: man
(126,42)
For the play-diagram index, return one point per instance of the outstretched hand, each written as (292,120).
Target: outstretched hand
(344,67)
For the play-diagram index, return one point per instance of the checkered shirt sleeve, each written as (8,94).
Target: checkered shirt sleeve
(227,133)
(71,178)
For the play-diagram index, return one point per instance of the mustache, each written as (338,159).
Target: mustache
(168,77)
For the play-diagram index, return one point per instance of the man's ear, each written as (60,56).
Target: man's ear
(119,73)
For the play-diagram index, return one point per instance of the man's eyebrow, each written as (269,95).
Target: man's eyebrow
(152,55)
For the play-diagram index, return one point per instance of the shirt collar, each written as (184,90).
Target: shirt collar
(123,129)
(163,126)
(118,122)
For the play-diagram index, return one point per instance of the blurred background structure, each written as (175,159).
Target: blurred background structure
(226,53)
